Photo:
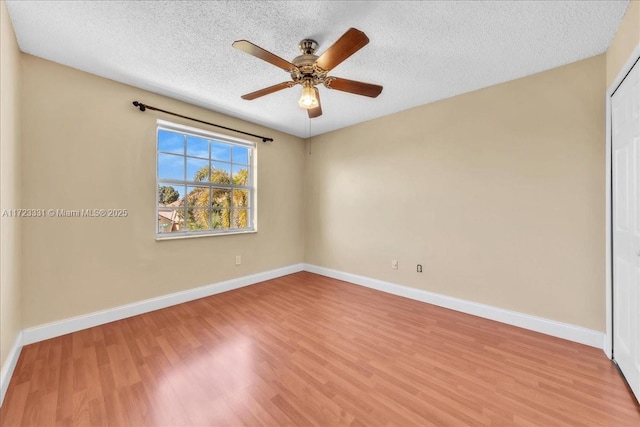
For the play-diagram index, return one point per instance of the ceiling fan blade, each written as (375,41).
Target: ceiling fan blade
(265,55)
(350,42)
(352,86)
(316,112)
(267,91)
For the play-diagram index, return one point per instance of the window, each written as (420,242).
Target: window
(205,183)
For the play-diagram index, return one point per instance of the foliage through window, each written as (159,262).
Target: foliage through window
(205,182)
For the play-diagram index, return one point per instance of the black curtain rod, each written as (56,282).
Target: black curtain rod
(144,107)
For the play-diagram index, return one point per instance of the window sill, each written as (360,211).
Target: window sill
(160,237)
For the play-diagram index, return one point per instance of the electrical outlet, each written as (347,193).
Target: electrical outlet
(394,264)
(238,260)
(419,268)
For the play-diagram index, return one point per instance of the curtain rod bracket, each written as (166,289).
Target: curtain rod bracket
(144,107)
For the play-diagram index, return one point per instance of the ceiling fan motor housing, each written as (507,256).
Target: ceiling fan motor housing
(306,68)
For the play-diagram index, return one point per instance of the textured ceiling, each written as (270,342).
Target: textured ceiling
(419,51)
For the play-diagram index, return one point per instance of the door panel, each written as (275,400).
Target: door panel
(621,168)
(625,144)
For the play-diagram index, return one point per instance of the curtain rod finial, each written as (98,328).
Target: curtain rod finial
(140,105)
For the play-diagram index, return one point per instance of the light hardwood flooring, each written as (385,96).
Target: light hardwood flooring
(307,350)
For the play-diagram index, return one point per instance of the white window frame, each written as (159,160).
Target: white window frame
(200,133)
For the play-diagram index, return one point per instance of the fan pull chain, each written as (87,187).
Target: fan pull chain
(309,135)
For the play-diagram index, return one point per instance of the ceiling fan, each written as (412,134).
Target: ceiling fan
(310,70)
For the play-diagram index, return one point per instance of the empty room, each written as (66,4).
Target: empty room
(320,213)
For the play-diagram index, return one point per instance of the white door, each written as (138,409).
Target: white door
(625,143)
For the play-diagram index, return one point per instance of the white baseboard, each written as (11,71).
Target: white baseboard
(73,324)
(538,324)
(9,365)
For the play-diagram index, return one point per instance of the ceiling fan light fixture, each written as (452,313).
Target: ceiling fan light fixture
(308,98)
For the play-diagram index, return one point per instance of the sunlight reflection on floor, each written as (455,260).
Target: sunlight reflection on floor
(205,377)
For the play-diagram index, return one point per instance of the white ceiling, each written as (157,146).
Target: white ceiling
(419,51)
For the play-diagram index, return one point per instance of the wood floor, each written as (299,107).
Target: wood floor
(307,350)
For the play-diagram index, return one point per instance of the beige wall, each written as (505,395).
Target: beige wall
(498,193)
(86,146)
(10,316)
(626,39)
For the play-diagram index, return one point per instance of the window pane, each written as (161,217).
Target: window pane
(199,197)
(182,191)
(220,198)
(170,220)
(220,151)
(170,195)
(220,173)
(197,170)
(240,218)
(170,167)
(197,219)
(170,142)
(240,198)
(241,155)
(197,147)
(220,219)
(240,175)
